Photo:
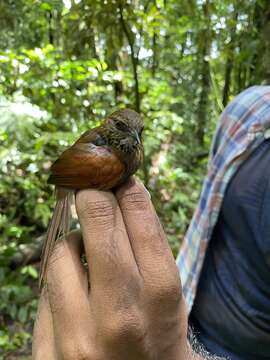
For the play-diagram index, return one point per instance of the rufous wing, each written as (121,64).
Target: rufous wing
(85,165)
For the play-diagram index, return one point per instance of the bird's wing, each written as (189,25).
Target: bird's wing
(85,165)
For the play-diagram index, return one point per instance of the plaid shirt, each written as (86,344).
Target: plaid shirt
(243,126)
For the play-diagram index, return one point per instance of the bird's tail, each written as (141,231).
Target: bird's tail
(58,227)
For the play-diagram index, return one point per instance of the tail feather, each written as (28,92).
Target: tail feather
(66,213)
(58,227)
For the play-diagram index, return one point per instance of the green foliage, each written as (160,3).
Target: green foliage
(64,65)
(17,307)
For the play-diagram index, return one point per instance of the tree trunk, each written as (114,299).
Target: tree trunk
(205,71)
(259,68)
(154,57)
(229,62)
(50,28)
(112,65)
(134,59)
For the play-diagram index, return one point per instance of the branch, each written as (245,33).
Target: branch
(27,254)
(31,253)
(134,59)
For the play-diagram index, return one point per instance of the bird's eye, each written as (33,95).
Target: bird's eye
(121,126)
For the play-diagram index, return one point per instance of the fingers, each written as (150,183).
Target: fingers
(112,267)
(149,244)
(43,339)
(67,285)
(131,271)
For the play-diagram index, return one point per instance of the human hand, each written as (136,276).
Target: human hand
(128,304)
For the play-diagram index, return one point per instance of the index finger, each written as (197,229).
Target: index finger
(109,255)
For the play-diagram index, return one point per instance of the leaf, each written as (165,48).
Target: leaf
(30,270)
(46,6)
(22,314)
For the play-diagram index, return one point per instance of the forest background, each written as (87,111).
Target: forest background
(65,65)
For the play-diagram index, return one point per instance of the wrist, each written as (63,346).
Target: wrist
(190,353)
(197,351)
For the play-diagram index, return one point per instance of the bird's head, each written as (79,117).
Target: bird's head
(124,132)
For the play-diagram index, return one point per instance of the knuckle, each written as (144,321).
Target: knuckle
(75,349)
(166,293)
(98,210)
(134,199)
(148,234)
(127,326)
(98,206)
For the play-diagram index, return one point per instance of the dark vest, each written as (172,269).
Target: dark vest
(231,313)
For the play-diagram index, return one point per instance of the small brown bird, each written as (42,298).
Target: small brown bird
(101,158)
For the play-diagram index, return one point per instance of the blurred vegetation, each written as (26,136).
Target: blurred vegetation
(65,65)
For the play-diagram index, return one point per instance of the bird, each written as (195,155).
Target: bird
(102,158)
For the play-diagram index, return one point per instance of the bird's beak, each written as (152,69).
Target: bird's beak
(136,136)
